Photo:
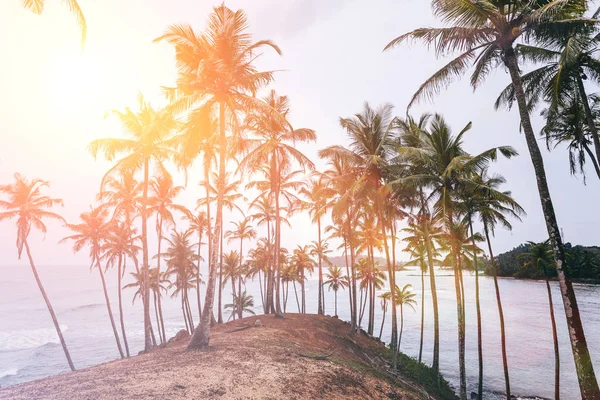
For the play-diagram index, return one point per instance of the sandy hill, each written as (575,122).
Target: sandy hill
(298,357)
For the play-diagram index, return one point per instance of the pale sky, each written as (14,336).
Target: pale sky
(53,98)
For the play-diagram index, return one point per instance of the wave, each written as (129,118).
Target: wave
(29,338)
(87,307)
(9,372)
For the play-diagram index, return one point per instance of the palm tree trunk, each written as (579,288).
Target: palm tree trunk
(321,305)
(593,159)
(160,323)
(234,311)
(286,296)
(353,269)
(436,316)
(275,175)
(500,311)
(185,319)
(335,294)
(122,321)
(461,324)
(590,118)
(555,339)
(110,314)
(49,306)
(588,385)
(382,322)
(189,309)
(220,302)
(302,285)
(392,280)
(422,313)
(201,337)
(198,277)
(478,307)
(348,275)
(296,293)
(401,327)
(262,296)
(240,276)
(145,265)
(156,316)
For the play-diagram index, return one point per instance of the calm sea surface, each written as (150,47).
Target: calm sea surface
(29,346)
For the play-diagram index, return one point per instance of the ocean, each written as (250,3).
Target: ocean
(29,347)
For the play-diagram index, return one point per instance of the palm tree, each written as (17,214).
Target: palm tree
(317,195)
(405,298)
(216,71)
(180,257)
(120,244)
(148,131)
(486,32)
(302,262)
(199,224)
(242,303)
(539,256)
(385,298)
(336,280)
(231,271)
(320,249)
(161,201)
(242,231)
(26,202)
(37,6)
(93,231)
(370,133)
(275,148)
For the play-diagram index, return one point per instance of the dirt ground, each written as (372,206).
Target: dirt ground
(298,357)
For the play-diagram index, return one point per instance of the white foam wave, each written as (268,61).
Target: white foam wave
(9,372)
(29,338)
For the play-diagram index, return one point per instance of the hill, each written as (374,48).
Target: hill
(298,357)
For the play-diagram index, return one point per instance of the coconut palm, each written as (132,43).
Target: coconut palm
(243,231)
(27,203)
(320,250)
(161,201)
(241,304)
(336,280)
(37,6)
(385,299)
(539,257)
(199,224)
(486,32)
(120,244)
(148,131)
(231,271)
(302,262)
(405,298)
(92,232)
(216,71)
(275,148)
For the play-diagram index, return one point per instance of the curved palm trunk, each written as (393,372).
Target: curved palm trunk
(321,305)
(478,307)
(422,313)
(119,278)
(286,295)
(240,276)
(348,276)
(401,327)
(156,317)
(500,311)
(353,269)
(198,277)
(296,293)
(382,323)
(270,277)
(49,306)
(275,173)
(392,280)
(160,322)
(220,303)
(593,159)
(145,265)
(588,385)
(234,311)
(262,296)
(108,308)
(555,339)
(201,337)
(590,118)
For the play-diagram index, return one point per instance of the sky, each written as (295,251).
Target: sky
(54,99)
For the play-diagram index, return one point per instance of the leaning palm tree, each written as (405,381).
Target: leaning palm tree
(37,6)
(539,257)
(336,280)
(148,131)
(216,72)
(405,298)
(92,232)
(26,202)
(486,32)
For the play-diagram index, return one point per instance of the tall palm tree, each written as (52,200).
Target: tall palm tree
(243,231)
(161,201)
(120,244)
(37,6)
(275,148)
(370,133)
(27,203)
(336,280)
(231,272)
(216,72)
(148,131)
(199,224)
(539,257)
(92,232)
(303,263)
(180,257)
(485,32)
(405,298)
(317,195)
